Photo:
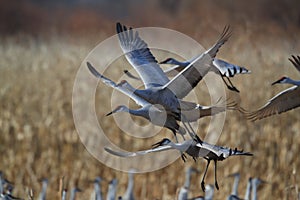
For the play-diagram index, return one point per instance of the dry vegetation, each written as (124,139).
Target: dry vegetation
(38,137)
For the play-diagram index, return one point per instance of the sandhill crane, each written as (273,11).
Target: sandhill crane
(191,147)
(97,188)
(248,189)
(112,190)
(158,88)
(168,121)
(129,194)
(73,193)
(64,194)
(234,191)
(282,102)
(255,183)
(209,193)
(221,67)
(183,192)
(192,111)
(155,115)
(42,195)
(1,183)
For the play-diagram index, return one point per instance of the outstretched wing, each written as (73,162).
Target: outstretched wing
(139,56)
(282,102)
(296,62)
(188,78)
(138,153)
(120,87)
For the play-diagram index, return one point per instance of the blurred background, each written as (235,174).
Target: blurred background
(44,42)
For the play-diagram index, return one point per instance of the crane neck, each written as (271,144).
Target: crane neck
(139,112)
(97,188)
(248,190)
(293,82)
(129,190)
(235,185)
(176,62)
(254,189)
(187,178)
(180,146)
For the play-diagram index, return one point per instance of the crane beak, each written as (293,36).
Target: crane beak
(156,145)
(110,113)
(276,82)
(163,62)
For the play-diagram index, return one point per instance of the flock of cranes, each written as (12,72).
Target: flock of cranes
(161,102)
(162,96)
(6,188)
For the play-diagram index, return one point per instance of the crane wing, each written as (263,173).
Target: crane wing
(173,71)
(118,87)
(296,62)
(188,78)
(282,102)
(138,153)
(139,56)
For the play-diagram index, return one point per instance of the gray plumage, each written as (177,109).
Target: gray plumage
(42,195)
(284,101)
(129,194)
(183,192)
(221,67)
(191,147)
(112,190)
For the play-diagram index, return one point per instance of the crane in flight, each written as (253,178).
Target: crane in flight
(284,101)
(157,116)
(158,88)
(221,67)
(193,148)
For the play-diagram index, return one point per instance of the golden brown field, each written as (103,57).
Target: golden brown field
(39,139)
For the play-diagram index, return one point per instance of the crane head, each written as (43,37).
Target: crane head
(163,142)
(120,108)
(281,80)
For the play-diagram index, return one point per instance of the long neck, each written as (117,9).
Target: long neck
(42,195)
(97,191)
(64,195)
(181,146)
(187,178)
(139,112)
(291,81)
(248,190)
(236,184)
(111,195)
(176,62)
(1,184)
(209,193)
(129,190)
(72,196)
(254,190)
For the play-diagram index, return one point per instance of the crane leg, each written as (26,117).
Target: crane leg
(195,135)
(202,182)
(216,180)
(183,156)
(230,86)
(191,130)
(190,133)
